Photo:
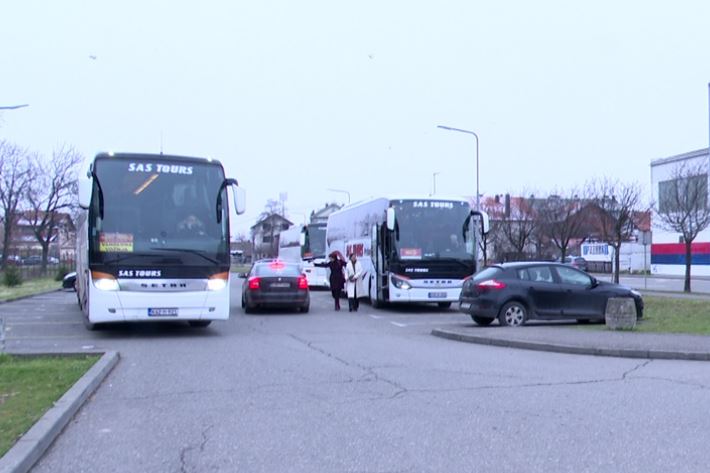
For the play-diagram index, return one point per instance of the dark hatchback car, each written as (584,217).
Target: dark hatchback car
(275,284)
(516,292)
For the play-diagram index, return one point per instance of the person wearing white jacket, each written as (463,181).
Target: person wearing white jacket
(353,282)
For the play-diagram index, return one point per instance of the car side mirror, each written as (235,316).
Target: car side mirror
(595,282)
(242,275)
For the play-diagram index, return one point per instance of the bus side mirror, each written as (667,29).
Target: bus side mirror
(239,196)
(485,223)
(390,219)
(85,187)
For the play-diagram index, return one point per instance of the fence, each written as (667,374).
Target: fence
(34,270)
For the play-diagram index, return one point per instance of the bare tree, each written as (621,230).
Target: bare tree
(52,190)
(561,221)
(619,207)
(14,180)
(517,226)
(683,206)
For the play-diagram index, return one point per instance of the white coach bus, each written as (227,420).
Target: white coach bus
(412,249)
(306,245)
(153,239)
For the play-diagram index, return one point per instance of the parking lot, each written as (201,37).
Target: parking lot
(366,391)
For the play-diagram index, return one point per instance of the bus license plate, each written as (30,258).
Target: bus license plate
(437,295)
(163,312)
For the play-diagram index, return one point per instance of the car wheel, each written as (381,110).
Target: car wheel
(248,309)
(305,308)
(199,323)
(444,305)
(244,304)
(513,314)
(482,321)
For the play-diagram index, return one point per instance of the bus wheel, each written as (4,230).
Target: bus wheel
(89,325)
(199,323)
(444,305)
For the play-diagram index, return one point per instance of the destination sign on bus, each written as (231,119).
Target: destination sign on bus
(159,168)
(432,204)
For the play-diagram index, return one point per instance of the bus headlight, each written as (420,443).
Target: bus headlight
(400,282)
(218,282)
(104,281)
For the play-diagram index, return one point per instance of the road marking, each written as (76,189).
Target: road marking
(375,316)
(398,324)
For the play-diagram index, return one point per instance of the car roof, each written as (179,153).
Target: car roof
(525,264)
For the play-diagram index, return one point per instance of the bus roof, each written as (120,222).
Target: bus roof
(391,197)
(167,157)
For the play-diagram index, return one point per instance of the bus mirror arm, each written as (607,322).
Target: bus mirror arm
(238,197)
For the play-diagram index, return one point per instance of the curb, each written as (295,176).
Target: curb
(32,445)
(572,349)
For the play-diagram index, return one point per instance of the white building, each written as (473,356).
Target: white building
(668,248)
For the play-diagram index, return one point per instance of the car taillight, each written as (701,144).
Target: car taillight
(302,282)
(490,284)
(253,283)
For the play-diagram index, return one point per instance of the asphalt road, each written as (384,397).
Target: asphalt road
(365,392)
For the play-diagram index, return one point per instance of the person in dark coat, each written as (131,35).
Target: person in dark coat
(336,263)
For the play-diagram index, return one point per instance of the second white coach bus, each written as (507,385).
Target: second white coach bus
(412,249)
(306,245)
(153,240)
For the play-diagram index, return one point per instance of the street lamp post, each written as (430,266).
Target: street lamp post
(342,192)
(434,188)
(478,195)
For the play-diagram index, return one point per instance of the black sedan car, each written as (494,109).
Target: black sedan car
(276,284)
(516,292)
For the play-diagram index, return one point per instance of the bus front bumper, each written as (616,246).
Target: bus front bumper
(132,306)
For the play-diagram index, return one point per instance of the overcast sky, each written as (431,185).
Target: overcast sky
(300,97)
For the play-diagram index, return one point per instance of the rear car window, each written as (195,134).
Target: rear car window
(536,273)
(488,273)
(288,270)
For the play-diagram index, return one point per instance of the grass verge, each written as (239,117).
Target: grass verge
(671,315)
(30,386)
(27,288)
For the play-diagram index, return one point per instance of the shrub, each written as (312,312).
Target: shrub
(12,277)
(61,272)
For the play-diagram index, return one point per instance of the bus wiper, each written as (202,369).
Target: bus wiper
(461,261)
(188,250)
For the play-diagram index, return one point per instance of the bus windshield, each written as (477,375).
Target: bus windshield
(432,229)
(316,241)
(154,207)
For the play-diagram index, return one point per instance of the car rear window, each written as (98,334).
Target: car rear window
(274,269)
(536,273)
(488,273)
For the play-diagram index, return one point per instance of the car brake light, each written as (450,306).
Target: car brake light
(302,282)
(277,265)
(253,283)
(491,284)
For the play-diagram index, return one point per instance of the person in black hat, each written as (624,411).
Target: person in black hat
(335,265)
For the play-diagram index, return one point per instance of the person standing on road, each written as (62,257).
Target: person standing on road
(336,263)
(353,273)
